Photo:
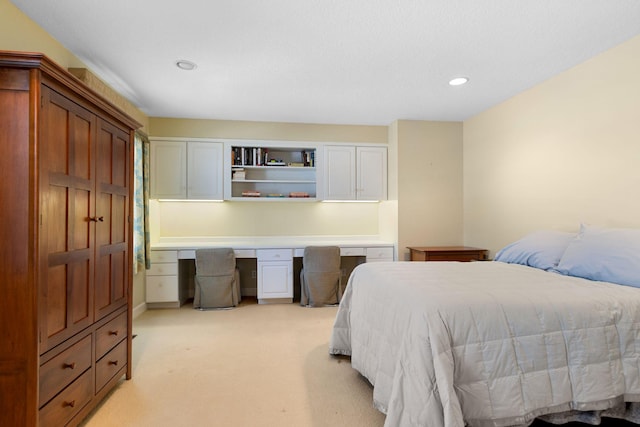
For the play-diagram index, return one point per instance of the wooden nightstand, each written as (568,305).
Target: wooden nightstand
(447,253)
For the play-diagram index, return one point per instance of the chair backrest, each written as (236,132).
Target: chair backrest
(215,262)
(318,259)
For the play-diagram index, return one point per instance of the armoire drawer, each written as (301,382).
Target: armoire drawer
(110,364)
(68,403)
(110,334)
(59,371)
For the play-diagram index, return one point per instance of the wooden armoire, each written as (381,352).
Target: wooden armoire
(66,185)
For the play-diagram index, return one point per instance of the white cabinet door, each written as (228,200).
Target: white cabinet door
(355,173)
(339,172)
(186,170)
(168,169)
(275,279)
(372,173)
(275,274)
(204,170)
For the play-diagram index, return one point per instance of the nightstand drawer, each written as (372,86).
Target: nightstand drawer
(448,253)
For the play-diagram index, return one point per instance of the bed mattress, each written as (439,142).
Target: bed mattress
(488,343)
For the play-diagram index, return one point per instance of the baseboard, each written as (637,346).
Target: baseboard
(139,309)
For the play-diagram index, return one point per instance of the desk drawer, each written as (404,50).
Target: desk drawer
(110,334)
(380,254)
(164,269)
(112,363)
(352,251)
(162,288)
(68,403)
(58,372)
(274,254)
(164,256)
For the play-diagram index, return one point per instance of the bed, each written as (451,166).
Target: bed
(536,334)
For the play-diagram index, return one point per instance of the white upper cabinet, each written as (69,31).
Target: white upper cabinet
(186,170)
(355,172)
(204,170)
(168,165)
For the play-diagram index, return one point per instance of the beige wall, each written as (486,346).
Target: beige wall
(19,32)
(170,127)
(429,184)
(180,219)
(564,152)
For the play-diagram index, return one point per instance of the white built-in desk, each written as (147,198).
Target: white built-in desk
(271,264)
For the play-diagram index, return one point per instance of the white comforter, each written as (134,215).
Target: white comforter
(487,343)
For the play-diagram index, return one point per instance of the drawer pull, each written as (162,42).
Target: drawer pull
(70,404)
(114,332)
(113,362)
(71,365)
(96,219)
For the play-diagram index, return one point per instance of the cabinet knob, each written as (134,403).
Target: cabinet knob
(114,332)
(71,365)
(70,404)
(113,362)
(96,219)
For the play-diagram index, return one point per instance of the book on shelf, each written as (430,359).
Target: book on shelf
(238,174)
(250,193)
(298,194)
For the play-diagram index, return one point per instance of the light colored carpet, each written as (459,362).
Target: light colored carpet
(255,365)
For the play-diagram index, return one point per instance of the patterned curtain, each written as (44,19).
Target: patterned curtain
(141,236)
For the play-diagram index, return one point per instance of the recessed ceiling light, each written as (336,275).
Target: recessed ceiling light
(183,64)
(458,81)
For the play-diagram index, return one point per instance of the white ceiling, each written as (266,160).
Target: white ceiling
(330,61)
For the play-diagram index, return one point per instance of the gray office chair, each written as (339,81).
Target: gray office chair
(320,277)
(217,281)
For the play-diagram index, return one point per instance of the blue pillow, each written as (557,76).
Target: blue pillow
(541,249)
(605,254)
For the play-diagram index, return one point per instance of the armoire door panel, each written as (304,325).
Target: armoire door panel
(68,290)
(119,273)
(68,199)
(111,282)
(57,148)
(81,160)
(112,171)
(103,283)
(56,315)
(120,155)
(79,294)
(55,213)
(82,224)
(119,219)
